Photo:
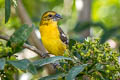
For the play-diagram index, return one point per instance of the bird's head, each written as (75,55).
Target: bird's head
(50,17)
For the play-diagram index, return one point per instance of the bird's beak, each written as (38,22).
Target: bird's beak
(57,17)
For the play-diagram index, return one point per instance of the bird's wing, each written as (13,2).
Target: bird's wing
(63,36)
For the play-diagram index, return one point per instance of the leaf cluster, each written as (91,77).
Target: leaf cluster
(102,62)
(91,60)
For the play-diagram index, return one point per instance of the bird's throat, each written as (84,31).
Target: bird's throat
(48,23)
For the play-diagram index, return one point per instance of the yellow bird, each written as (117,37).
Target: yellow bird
(52,36)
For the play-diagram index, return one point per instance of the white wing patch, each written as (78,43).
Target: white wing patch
(63,37)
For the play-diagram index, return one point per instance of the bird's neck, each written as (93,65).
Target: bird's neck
(50,29)
(47,23)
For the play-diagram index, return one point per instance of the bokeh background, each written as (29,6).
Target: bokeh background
(81,19)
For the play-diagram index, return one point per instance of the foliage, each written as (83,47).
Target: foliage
(7,10)
(102,61)
(91,61)
(6,71)
(18,38)
(4,50)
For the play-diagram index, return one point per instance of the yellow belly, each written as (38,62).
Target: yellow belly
(51,40)
(54,46)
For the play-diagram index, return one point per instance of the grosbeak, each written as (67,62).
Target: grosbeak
(52,36)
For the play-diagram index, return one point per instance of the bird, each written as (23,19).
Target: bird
(52,36)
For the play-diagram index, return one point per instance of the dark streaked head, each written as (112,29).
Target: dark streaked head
(50,16)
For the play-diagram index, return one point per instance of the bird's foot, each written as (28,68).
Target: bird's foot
(45,55)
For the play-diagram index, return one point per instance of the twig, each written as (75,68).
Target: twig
(25,19)
(4,37)
(32,48)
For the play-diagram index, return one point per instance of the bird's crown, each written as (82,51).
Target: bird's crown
(51,15)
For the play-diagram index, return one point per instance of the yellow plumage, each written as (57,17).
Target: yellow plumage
(50,37)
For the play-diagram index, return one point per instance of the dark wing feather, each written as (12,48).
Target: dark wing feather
(63,36)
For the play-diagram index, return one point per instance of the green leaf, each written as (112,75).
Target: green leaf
(7,10)
(19,37)
(32,69)
(71,43)
(21,64)
(99,66)
(51,77)
(45,61)
(75,71)
(2,63)
(76,54)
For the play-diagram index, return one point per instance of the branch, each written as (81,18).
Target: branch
(4,37)
(32,48)
(25,19)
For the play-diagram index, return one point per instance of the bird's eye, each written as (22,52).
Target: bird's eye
(50,15)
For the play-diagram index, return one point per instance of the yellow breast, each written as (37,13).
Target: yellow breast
(50,37)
